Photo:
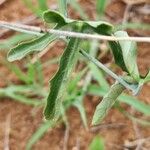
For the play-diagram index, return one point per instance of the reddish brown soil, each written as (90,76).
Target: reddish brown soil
(25,119)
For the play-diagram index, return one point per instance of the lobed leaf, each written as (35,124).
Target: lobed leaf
(25,48)
(59,81)
(97,26)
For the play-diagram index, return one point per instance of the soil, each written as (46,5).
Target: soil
(24,120)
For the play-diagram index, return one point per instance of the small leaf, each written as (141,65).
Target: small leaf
(97,26)
(59,81)
(128,49)
(25,48)
(106,103)
(97,144)
(43,5)
(118,56)
(100,7)
(147,77)
(132,101)
(63,6)
(77,7)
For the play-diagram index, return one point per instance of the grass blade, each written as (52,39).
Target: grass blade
(100,7)
(39,133)
(63,7)
(78,9)
(97,144)
(43,4)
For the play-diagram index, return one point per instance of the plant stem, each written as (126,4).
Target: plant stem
(108,71)
(39,31)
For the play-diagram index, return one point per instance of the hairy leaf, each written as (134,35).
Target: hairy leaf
(25,48)
(59,81)
(107,102)
(101,27)
(125,55)
(132,101)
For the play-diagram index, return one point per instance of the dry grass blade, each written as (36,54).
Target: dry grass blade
(7,132)
(38,31)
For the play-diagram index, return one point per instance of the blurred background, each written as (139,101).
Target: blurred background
(24,84)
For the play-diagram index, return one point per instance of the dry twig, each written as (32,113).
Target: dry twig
(7,132)
(38,31)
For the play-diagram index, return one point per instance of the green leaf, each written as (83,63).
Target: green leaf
(25,48)
(118,56)
(100,7)
(63,7)
(98,76)
(147,77)
(78,9)
(129,54)
(15,39)
(97,144)
(32,7)
(79,105)
(59,82)
(107,102)
(101,27)
(43,5)
(39,133)
(132,101)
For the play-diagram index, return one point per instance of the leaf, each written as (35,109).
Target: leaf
(59,82)
(147,77)
(39,133)
(57,18)
(63,7)
(15,39)
(118,56)
(79,105)
(107,102)
(98,76)
(43,5)
(128,52)
(32,7)
(25,48)
(132,101)
(78,9)
(100,7)
(97,144)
